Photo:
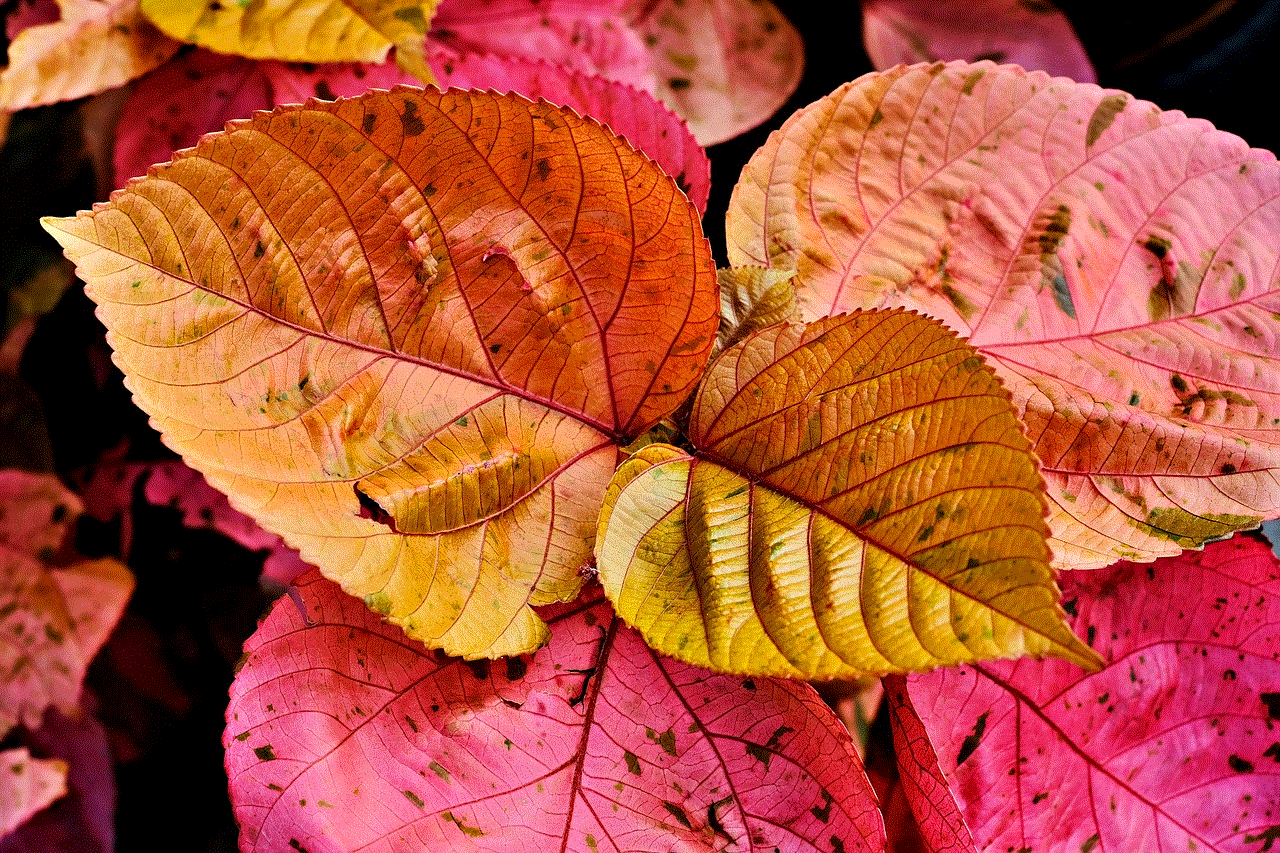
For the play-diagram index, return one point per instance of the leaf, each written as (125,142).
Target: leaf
(635,115)
(862,500)
(725,65)
(585,36)
(54,621)
(36,511)
(200,91)
(937,815)
(27,785)
(1035,35)
(752,298)
(303,30)
(1171,746)
(96,45)
(594,744)
(1111,261)
(452,339)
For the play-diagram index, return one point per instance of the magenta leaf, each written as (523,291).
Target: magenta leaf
(937,814)
(1171,747)
(1035,35)
(594,744)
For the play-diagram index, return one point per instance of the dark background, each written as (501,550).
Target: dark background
(162,681)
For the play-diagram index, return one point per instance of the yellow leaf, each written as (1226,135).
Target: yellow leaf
(862,500)
(96,45)
(410,333)
(304,30)
(752,298)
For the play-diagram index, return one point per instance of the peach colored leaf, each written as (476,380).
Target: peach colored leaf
(1113,262)
(937,815)
(303,30)
(96,45)
(752,298)
(27,785)
(409,332)
(725,65)
(594,744)
(862,500)
(1170,747)
(36,511)
(53,621)
(1035,34)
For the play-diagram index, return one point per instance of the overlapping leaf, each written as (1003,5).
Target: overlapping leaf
(200,91)
(27,785)
(938,816)
(1115,263)
(725,65)
(1170,747)
(97,44)
(862,500)
(595,744)
(303,30)
(1035,35)
(408,332)
(53,620)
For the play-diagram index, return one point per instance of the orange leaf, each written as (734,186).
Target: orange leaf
(408,332)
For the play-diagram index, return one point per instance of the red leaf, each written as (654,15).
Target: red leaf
(594,744)
(1171,747)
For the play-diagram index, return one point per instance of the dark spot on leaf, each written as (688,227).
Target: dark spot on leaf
(1157,246)
(1238,764)
(1273,752)
(824,813)
(410,120)
(516,669)
(412,15)
(1089,843)
(1178,384)
(837,844)
(543,168)
(1070,605)
(324,91)
(259,250)
(265,753)
(479,669)
(413,798)
(763,753)
(679,84)
(370,121)
(1272,701)
(970,743)
(297,845)
(1228,468)
(1039,797)
(59,514)
(411,723)
(633,763)
(1103,115)
(677,813)
(495,348)
(748,684)
(1268,838)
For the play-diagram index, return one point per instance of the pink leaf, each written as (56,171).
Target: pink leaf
(941,824)
(590,37)
(27,785)
(1170,747)
(1034,35)
(595,744)
(191,95)
(175,484)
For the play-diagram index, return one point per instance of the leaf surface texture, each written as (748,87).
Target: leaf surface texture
(408,332)
(1114,263)
(861,500)
(595,744)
